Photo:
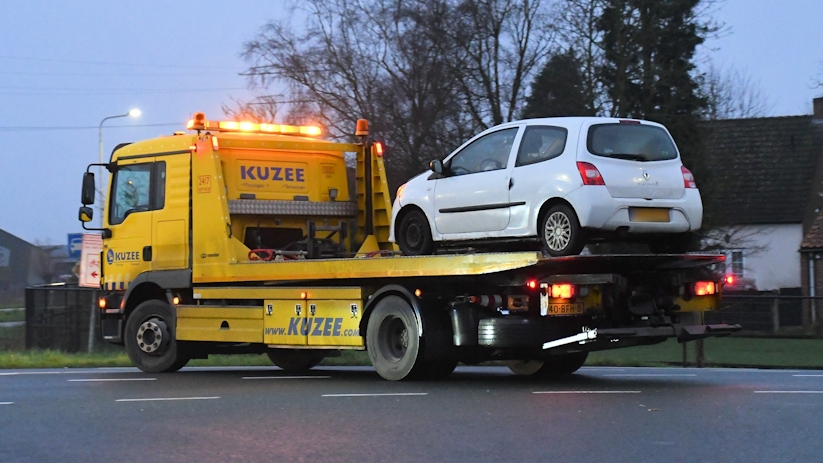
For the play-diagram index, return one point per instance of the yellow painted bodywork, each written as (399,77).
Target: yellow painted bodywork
(294,317)
(699,303)
(221,324)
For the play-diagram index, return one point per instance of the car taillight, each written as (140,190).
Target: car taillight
(688,178)
(590,174)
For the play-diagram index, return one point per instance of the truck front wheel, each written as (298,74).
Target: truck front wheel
(149,338)
(393,339)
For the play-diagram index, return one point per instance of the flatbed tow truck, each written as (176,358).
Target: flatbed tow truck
(246,238)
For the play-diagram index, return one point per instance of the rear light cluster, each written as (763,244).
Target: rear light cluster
(688,178)
(563,291)
(558,290)
(589,174)
(705,288)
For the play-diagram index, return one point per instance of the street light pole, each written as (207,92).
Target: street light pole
(100,185)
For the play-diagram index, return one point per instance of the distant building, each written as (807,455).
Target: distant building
(21,265)
(763,193)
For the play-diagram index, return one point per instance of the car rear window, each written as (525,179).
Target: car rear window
(638,142)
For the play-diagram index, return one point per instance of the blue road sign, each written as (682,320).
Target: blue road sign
(75,245)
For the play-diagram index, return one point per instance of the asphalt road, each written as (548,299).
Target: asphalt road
(479,414)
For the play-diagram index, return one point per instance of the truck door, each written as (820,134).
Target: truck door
(133,196)
(170,228)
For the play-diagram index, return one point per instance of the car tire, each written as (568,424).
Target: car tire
(150,340)
(414,234)
(560,232)
(294,360)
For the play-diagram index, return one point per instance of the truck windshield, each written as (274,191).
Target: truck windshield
(638,142)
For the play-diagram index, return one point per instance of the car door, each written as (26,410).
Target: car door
(540,172)
(473,196)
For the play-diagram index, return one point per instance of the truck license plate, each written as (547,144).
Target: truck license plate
(563,309)
(648,214)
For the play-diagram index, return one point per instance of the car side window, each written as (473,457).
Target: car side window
(541,143)
(490,152)
(137,188)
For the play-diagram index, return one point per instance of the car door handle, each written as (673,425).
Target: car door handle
(147,253)
(511,183)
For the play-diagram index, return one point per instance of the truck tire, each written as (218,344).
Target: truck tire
(294,360)
(150,341)
(554,366)
(393,340)
(414,236)
(560,232)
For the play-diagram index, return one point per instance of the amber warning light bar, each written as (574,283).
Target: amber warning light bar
(199,122)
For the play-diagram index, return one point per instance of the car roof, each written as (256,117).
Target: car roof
(568,121)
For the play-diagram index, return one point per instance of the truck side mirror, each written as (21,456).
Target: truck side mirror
(87,196)
(436,166)
(86,214)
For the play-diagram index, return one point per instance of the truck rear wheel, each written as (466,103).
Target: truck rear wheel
(295,360)
(556,365)
(393,339)
(150,341)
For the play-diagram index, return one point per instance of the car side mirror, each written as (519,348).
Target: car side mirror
(436,166)
(86,214)
(87,196)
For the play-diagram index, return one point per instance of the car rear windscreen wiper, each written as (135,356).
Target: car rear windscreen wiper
(633,157)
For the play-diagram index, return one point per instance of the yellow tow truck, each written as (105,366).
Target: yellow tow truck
(238,237)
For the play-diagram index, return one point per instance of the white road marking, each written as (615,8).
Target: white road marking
(808,376)
(6,403)
(788,392)
(375,395)
(585,392)
(286,377)
(102,371)
(656,375)
(109,379)
(166,398)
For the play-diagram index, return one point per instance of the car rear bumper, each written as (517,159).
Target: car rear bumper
(596,209)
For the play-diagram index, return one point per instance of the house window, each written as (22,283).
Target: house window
(735,263)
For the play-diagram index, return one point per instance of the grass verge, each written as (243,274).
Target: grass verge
(12,316)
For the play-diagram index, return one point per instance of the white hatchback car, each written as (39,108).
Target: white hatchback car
(560,182)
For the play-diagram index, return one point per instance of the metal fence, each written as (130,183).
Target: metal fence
(768,312)
(62,318)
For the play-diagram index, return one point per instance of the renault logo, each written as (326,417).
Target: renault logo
(646,174)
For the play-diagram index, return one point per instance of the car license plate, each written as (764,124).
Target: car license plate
(563,309)
(648,214)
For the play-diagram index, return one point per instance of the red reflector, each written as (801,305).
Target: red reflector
(629,121)
(563,291)
(730,279)
(532,284)
(589,174)
(688,178)
(705,288)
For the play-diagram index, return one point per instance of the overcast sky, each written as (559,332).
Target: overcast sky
(67,64)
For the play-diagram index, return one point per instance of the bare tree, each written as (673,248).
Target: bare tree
(500,45)
(577,29)
(427,73)
(732,94)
